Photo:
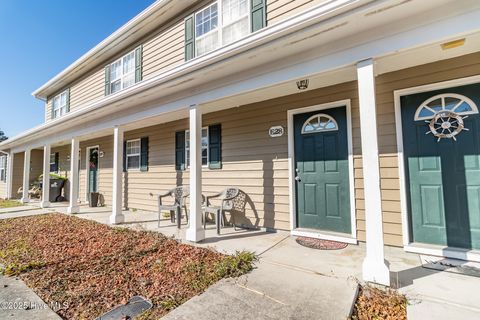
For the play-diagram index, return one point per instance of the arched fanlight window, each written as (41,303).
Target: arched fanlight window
(451,102)
(319,123)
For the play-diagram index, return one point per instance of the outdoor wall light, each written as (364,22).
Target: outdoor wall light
(302,84)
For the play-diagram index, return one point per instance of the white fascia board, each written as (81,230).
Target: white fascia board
(440,29)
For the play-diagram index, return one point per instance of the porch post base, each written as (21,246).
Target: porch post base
(45,204)
(116,218)
(193,235)
(73,209)
(25,200)
(376,271)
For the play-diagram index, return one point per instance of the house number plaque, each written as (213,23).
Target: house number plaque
(276,131)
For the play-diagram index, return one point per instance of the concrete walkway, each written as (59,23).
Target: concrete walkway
(273,291)
(19,302)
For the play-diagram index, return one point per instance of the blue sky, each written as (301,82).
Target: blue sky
(41,38)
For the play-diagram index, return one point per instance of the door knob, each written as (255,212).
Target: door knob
(298,178)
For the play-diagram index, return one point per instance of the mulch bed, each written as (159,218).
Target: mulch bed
(320,244)
(375,304)
(89,268)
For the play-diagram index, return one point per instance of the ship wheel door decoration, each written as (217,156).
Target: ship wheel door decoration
(445,113)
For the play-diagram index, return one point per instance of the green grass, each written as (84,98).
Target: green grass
(9,203)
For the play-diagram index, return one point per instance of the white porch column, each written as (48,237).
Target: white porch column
(74,183)
(195,232)
(46,177)
(10,175)
(26,176)
(375,268)
(117,205)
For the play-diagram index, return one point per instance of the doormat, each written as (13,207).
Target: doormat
(134,307)
(467,268)
(320,244)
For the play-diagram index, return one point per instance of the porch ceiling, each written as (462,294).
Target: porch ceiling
(270,68)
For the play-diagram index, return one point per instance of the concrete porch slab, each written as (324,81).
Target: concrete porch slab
(322,273)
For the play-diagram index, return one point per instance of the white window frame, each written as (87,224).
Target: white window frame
(133,155)
(3,168)
(187,150)
(316,116)
(442,96)
(61,109)
(220,25)
(123,76)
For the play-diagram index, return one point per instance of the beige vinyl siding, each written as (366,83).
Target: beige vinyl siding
(36,167)
(87,90)
(164,50)
(251,159)
(386,84)
(17,175)
(278,10)
(3,190)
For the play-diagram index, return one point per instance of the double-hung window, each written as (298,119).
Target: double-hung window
(121,73)
(205,158)
(133,154)
(221,23)
(60,104)
(3,168)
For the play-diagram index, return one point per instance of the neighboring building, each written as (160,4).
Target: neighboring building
(317,110)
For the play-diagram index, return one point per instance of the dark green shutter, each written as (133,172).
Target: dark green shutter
(144,154)
(215,146)
(190,38)
(259,14)
(68,99)
(107,80)
(125,156)
(138,64)
(180,150)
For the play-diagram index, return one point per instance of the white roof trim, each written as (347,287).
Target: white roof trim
(135,25)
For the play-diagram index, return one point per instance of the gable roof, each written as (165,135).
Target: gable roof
(145,22)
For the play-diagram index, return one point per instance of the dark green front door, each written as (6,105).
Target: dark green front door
(443,178)
(322,170)
(93,170)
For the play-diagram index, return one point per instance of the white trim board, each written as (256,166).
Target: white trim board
(427,249)
(291,172)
